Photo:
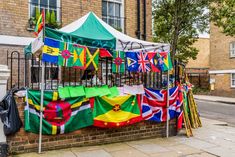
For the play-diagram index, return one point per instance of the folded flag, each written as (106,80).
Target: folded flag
(40,24)
(132,61)
(115,112)
(143,62)
(92,58)
(165,56)
(113,92)
(51,50)
(71,91)
(155,101)
(59,116)
(118,65)
(105,53)
(37,43)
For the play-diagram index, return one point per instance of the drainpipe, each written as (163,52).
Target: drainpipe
(144,23)
(138,20)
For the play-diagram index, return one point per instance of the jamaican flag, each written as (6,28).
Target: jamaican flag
(59,116)
(115,112)
(92,58)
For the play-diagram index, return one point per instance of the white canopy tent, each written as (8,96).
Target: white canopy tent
(122,40)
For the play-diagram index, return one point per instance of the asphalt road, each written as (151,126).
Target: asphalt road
(218,111)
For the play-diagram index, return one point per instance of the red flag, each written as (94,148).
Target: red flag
(105,53)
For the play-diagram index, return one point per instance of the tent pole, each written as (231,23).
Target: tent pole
(41,107)
(167,105)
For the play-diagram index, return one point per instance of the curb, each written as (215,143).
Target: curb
(220,101)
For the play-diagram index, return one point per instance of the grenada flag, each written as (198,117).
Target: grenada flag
(59,116)
(115,112)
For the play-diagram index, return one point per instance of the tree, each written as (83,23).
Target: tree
(222,13)
(179,23)
(48,17)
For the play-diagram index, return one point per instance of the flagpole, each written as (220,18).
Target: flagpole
(42,92)
(167,105)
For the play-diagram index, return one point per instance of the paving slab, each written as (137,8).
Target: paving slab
(150,148)
(58,153)
(201,155)
(166,154)
(198,144)
(128,153)
(115,147)
(92,153)
(184,149)
(221,151)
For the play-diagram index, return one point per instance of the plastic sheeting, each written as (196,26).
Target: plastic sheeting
(9,114)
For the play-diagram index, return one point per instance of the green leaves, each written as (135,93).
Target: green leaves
(179,23)
(223,15)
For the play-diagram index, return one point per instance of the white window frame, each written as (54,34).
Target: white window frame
(58,10)
(232,49)
(122,13)
(232,79)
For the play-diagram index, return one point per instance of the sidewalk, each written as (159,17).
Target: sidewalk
(212,140)
(215,98)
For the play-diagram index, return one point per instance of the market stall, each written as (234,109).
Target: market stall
(68,109)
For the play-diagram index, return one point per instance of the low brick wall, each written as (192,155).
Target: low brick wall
(27,142)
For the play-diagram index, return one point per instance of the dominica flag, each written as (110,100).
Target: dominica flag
(40,24)
(118,65)
(167,64)
(65,57)
(59,116)
(115,112)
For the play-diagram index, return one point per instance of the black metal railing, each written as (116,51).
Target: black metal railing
(26,72)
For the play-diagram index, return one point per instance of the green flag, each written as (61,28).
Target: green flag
(118,65)
(115,112)
(59,116)
(65,57)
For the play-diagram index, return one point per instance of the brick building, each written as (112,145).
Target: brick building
(222,63)
(197,70)
(16,28)
(15,18)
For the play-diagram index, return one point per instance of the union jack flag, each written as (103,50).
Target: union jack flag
(154,104)
(143,61)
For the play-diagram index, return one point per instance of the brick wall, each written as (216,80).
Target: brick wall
(220,60)
(219,50)
(14,15)
(28,142)
(202,61)
(223,85)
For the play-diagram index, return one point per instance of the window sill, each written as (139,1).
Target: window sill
(30,29)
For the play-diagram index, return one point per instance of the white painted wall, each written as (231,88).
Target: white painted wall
(4,75)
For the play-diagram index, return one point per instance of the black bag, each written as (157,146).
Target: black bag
(9,114)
